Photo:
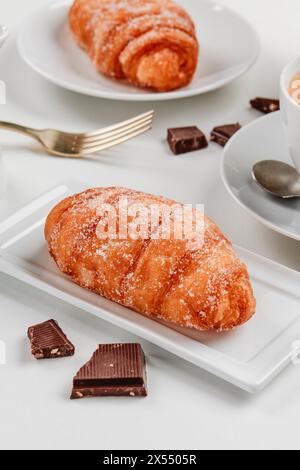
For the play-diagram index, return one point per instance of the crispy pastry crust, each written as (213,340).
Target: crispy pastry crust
(151,43)
(205,287)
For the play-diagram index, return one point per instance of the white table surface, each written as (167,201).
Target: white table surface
(186,408)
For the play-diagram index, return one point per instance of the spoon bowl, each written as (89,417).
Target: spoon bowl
(277,178)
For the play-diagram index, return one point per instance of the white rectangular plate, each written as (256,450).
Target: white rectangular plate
(248,357)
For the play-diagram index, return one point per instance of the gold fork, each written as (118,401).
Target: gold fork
(65,144)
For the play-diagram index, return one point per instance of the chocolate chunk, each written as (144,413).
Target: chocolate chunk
(48,341)
(114,370)
(222,134)
(186,139)
(265,105)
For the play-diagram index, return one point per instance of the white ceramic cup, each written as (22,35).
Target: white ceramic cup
(290,111)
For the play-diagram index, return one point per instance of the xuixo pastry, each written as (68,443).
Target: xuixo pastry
(195,285)
(151,43)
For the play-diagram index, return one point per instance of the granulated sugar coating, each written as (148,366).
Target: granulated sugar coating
(195,283)
(151,43)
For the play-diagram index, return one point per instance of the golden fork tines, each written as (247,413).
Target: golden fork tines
(66,144)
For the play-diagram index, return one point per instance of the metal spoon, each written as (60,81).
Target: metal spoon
(277,178)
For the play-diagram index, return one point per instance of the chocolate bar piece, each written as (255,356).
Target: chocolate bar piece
(114,370)
(186,139)
(48,341)
(222,134)
(265,105)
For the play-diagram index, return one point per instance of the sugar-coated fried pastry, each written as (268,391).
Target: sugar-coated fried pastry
(151,43)
(195,285)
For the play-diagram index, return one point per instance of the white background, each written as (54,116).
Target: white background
(186,407)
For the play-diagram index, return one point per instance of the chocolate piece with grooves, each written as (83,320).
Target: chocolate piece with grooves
(48,341)
(114,370)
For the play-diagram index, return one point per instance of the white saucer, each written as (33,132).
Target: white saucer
(264,139)
(46,44)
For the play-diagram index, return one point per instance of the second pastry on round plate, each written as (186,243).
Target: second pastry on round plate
(151,43)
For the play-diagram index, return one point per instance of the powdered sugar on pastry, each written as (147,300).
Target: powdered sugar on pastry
(115,35)
(201,286)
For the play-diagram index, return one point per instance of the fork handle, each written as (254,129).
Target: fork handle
(20,129)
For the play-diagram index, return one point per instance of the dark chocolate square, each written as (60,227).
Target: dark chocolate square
(114,370)
(222,134)
(186,139)
(48,341)
(265,105)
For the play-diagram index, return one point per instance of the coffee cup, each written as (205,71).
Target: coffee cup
(290,110)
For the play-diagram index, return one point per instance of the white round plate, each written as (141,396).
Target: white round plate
(46,44)
(263,139)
